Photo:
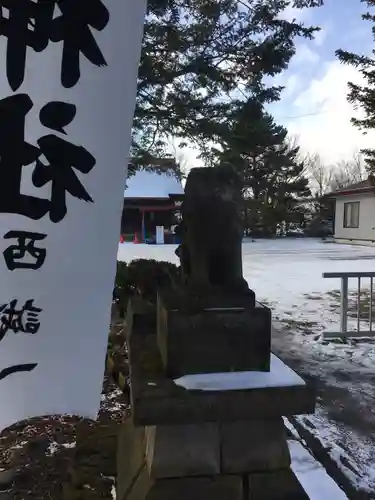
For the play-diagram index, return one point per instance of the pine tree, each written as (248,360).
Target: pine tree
(363,96)
(197,54)
(268,163)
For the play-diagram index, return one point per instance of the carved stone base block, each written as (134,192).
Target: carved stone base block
(201,488)
(225,338)
(183,450)
(277,485)
(157,400)
(254,445)
(130,457)
(140,316)
(240,461)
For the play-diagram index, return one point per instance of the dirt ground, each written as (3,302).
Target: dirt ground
(350,403)
(42,451)
(50,456)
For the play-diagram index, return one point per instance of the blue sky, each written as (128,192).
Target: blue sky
(342,23)
(314,105)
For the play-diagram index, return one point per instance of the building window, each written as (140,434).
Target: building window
(351,214)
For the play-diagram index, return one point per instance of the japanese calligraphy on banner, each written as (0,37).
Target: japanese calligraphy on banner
(67,98)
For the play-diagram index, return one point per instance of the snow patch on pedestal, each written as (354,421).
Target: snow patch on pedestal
(280,375)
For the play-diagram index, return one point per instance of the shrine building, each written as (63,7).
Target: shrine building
(151,199)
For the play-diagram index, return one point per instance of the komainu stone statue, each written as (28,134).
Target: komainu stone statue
(209,438)
(212,229)
(212,324)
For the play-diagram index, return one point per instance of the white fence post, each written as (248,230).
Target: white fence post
(344,305)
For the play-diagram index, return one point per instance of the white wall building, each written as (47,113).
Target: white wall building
(355,214)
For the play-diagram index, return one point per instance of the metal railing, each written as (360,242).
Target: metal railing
(344,305)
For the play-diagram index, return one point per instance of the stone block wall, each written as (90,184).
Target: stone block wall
(246,460)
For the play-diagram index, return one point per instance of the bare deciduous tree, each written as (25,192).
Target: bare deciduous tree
(325,178)
(348,172)
(320,175)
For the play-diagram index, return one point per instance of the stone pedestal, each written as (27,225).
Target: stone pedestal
(276,485)
(254,446)
(183,450)
(201,488)
(206,461)
(140,317)
(218,333)
(187,439)
(158,400)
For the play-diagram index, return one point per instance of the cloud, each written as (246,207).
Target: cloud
(303,61)
(291,13)
(304,55)
(320,36)
(322,115)
(292,84)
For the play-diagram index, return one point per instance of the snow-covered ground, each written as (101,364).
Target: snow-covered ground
(286,274)
(283,272)
(312,476)
(352,452)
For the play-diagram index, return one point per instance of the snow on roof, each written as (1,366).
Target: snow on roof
(364,187)
(359,187)
(144,184)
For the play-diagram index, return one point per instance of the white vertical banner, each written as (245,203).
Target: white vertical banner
(160,235)
(67,98)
